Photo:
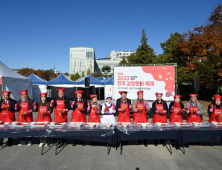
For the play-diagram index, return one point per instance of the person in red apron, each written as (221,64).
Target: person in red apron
(94,109)
(123,105)
(176,110)
(7,108)
(160,109)
(215,110)
(194,109)
(62,106)
(25,108)
(140,107)
(44,110)
(79,106)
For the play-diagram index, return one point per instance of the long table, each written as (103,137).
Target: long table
(117,134)
(180,135)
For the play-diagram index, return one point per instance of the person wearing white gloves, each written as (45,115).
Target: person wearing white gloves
(108,109)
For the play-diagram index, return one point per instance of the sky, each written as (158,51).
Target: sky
(37,33)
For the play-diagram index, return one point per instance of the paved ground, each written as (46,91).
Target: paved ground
(134,157)
(95,157)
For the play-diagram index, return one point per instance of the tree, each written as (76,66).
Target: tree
(40,73)
(83,73)
(88,72)
(123,61)
(26,71)
(72,77)
(75,76)
(203,49)
(95,75)
(106,69)
(49,74)
(173,54)
(144,53)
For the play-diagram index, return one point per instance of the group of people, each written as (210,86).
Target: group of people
(80,107)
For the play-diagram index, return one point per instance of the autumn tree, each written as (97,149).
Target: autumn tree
(203,49)
(26,71)
(40,73)
(144,53)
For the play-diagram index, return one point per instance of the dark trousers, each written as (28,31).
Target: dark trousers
(23,139)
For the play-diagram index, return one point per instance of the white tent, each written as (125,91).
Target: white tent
(12,81)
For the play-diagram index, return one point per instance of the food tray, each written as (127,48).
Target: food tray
(56,125)
(164,125)
(3,124)
(38,124)
(19,124)
(141,125)
(183,124)
(201,124)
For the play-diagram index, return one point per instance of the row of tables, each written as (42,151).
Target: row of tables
(116,135)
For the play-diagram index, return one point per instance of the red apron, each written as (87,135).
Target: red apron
(58,115)
(193,117)
(24,108)
(157,117)
(45,117)
(174,117)
(214,114)
(78,116)
(6,115)
(140,117)
(124,116)
(93,117)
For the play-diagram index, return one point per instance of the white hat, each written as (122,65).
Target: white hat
(108,96)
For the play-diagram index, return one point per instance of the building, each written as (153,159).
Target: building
(117,55)
(112,59)
(81,58)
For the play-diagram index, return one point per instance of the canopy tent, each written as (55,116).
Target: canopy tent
(100,78)
(93,81)
(38,86)
(59,82)
(36,79)
(109,81)
(12,81)
(80,79)
(107,78)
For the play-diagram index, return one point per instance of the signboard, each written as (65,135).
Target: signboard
(108,90)
(150,79)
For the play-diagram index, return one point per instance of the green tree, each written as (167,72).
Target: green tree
(106,69)
(144,53)
(173,54)
(83,73)
(123,61)
(75,76)
(88,72)
(72,77)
